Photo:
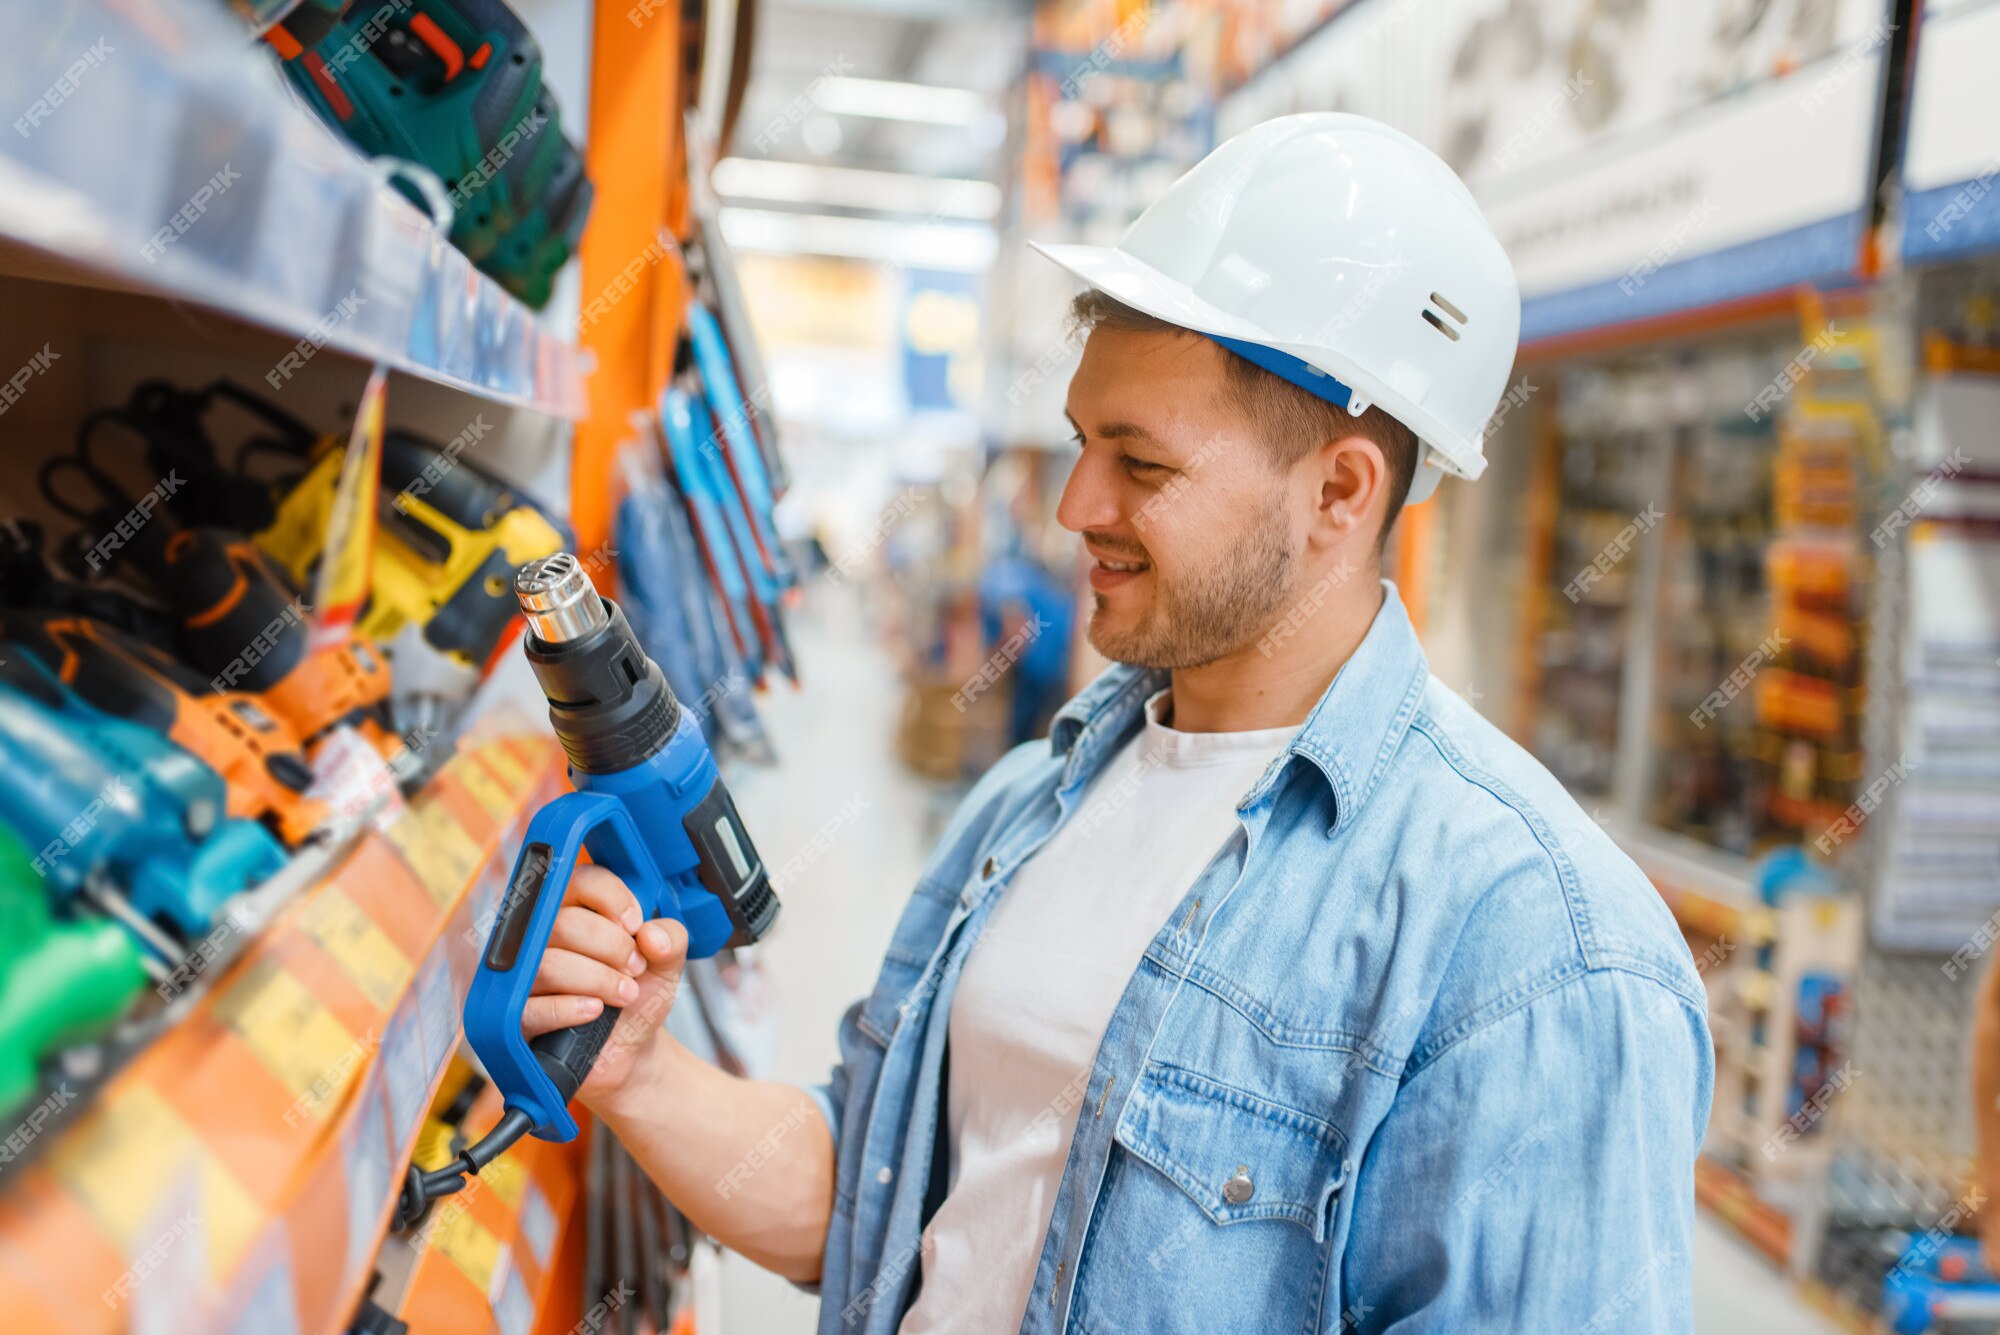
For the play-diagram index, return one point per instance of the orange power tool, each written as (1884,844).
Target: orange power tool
(258,755)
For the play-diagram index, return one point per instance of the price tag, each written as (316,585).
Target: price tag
(495,796)
(467,1244)
(538,1225)
(293,1034)
(438,849)
(363,950)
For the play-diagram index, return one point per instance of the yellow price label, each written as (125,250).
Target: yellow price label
(295,1036)
(489,791)
(507,1179)
(438,849)
(467,1244)
(507,765)
(363,950)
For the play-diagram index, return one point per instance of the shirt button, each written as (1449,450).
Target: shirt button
(1239,1188)
(885,1175)
(992,866)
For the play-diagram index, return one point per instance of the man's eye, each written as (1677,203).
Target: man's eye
(1143,465)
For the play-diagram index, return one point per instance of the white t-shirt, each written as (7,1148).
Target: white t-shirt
(1039,990)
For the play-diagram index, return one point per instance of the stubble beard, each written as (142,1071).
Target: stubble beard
(1209,613)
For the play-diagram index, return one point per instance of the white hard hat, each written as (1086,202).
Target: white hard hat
(1330,245)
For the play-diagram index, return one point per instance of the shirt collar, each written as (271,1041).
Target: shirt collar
(1347,739)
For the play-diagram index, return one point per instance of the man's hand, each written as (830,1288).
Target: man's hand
(601,953)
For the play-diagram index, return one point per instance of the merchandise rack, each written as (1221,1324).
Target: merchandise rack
(233,1162)
(159,152)
(276,1118)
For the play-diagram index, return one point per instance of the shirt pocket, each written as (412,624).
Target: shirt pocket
(1214,1213)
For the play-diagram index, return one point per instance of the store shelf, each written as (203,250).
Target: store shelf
(158,151)
(1730,1198)
(492,1257)
(1709,892)
(239,1173)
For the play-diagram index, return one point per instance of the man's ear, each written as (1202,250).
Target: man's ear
(1352,477)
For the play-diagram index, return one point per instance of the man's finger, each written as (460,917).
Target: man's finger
(594,887)
(664,943)
(566,973)
(588,932)
(545,1015)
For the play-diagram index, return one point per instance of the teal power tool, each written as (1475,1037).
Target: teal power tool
(649,805)
(118,816)
(456,85)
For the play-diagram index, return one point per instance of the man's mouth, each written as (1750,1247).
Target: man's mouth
(1108,574)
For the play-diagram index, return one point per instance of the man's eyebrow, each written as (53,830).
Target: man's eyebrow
(1117,430)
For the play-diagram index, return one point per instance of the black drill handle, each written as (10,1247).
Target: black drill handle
(568,1054)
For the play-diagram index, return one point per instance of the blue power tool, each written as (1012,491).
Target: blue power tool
(649,805)
(118,815)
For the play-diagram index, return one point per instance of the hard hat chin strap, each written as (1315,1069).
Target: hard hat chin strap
(1298,372)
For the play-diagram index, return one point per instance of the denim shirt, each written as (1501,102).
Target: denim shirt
(1419,1051)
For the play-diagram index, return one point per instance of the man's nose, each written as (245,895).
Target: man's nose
(1089,498)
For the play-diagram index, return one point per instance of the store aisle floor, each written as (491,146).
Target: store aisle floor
(839,787)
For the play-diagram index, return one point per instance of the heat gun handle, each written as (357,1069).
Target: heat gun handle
(540,1078)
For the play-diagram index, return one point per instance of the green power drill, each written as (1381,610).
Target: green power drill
(456,86)
(61,981)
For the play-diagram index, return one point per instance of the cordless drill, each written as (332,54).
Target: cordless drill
(649,805)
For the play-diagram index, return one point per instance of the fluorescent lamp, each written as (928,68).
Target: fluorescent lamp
(885,99)
(855,188)
(961,247)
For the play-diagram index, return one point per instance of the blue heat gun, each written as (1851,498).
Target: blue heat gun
(649,805)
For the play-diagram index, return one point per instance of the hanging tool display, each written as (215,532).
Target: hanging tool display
(258,756)
(649,805)
(735,434)
(62,982)
(119,817)
(450,539)
(456,86)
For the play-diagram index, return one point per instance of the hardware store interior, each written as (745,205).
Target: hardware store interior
(759,448)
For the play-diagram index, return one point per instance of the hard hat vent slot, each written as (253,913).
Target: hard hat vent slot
(1440,325)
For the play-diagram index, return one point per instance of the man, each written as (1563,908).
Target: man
(1276,991)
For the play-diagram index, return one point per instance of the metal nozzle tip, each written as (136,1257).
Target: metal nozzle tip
(558,599)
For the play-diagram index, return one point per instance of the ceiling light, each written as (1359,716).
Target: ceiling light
(886,99)
(854,188)
(962,247)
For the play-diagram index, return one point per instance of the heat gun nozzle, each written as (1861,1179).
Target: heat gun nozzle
(558,599)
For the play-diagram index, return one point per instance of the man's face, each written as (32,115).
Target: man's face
(1194,537)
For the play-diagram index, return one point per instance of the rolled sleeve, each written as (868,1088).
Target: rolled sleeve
(1538,1174)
